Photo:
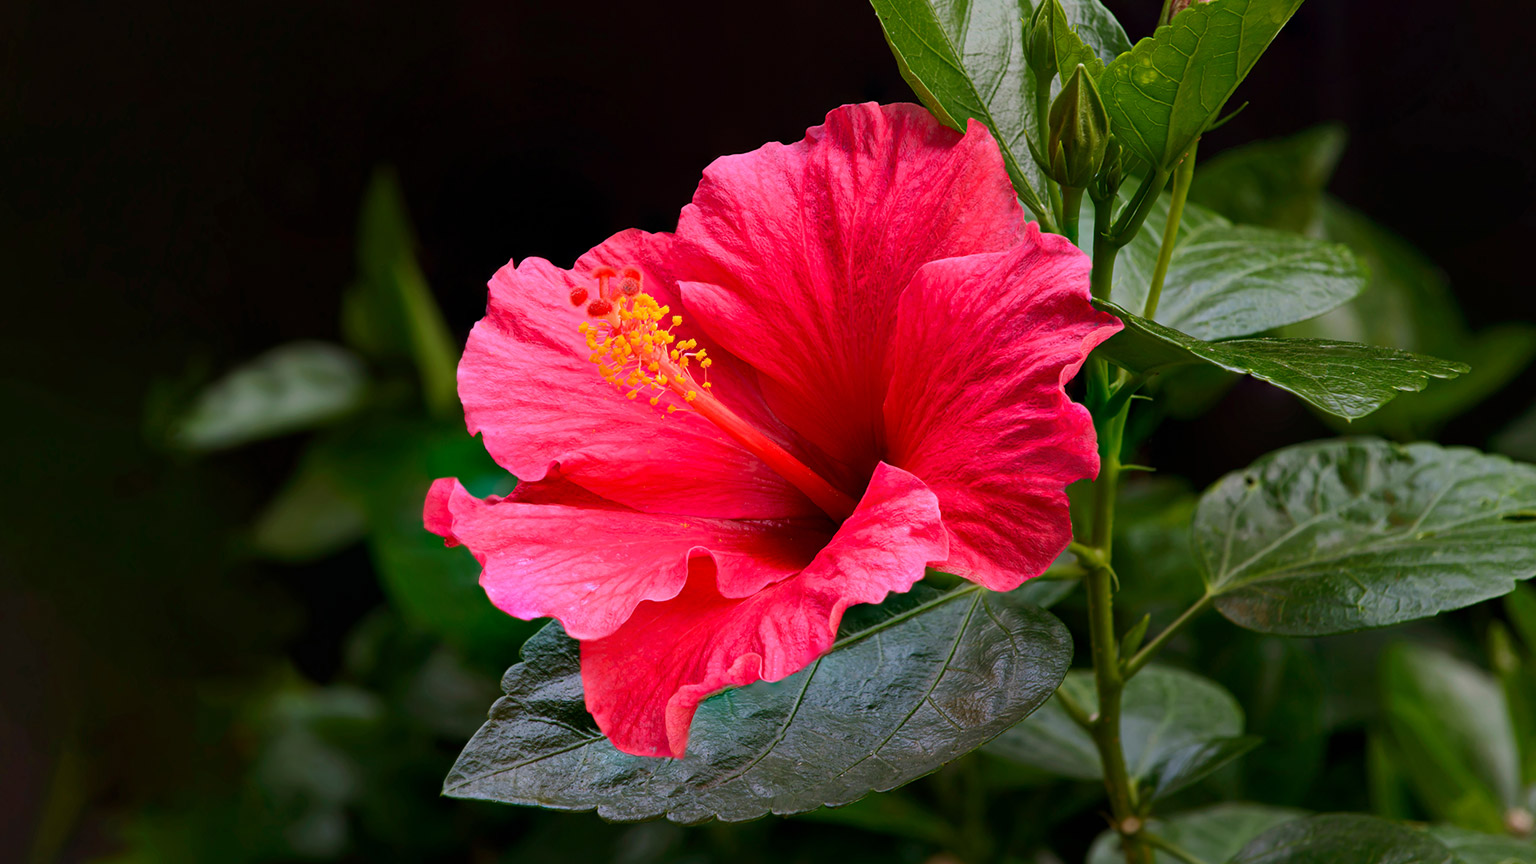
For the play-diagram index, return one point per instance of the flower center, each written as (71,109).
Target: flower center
(631,340)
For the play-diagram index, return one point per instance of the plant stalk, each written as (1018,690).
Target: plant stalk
(1095,556)
(1182,177)
(1071,208)
(1149,650)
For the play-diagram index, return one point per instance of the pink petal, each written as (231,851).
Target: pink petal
(552,549)
(528,387)
(802,251)
(644,682)
(981,349)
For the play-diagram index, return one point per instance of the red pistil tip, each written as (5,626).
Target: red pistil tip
(578,296)
(599,308)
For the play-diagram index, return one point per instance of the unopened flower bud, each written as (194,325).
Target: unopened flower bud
(1111,172)
(1079,131)
(1040,43)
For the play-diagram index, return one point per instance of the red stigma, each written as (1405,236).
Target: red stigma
(602,275)
(578,296)
(630,284)
(599,308)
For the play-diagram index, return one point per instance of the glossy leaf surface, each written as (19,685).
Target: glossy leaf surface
(1334,838)
(1170,87)
(912,684)
(1346,379)
(1341,535)
(1175,727)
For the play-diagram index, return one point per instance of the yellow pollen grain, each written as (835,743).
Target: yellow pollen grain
(690,395)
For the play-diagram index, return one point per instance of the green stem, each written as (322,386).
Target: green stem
(1095,556)
(1182,177)
(1172,849)
(1104,250)
(1071,208)
(1135,212)
(1162,17)
(1149,650)
(1074,709)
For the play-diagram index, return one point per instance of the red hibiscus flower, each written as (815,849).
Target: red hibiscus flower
(845,366)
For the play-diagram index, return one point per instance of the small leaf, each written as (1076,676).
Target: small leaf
(1165,711)
(1341,535)
(288,389)
(1170,87)
(1346,379)
(390,313)
(1213,834)
(936,676)
(385,469)
(309,518)
(1333,838)
(1452,717)
(1188,765)
(1472,847)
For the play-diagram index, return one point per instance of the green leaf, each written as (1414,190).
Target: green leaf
(1213,834)
(385,468)
(1341,535)
(390,313)
(1520,606)
(1407,303)
(1333,838)
(1452,718)
(965,60)
(1171,87)
(1188,765)
(1279,685)
(1277,183)
(309,518)
(1228,280)
(1175,727)
(1472,847)
(1346,379)
(288,389)
(924,679)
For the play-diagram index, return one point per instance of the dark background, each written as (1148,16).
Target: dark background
(179,187)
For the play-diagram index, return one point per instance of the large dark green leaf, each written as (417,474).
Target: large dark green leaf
(1170,87)
(1408,304)
(1228,280)
(1347,379)
(1334,838)
(287,389)
(965,60)
(1213,834)
(1340,535)
(1450,718)
(1472,847)
(1175,727)
(919,681)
